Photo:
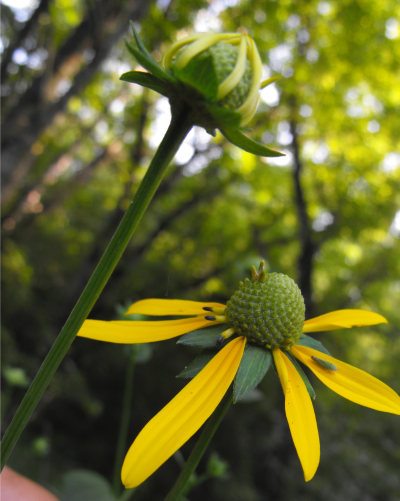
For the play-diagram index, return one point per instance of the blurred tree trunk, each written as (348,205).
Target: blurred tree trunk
(308,246)
(104,24)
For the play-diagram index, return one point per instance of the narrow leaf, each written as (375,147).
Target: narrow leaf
(149,64)
(310,389)
(206,338)
(145,80)
(312,343)
(164,75)
(247,144)
(198,364)
(254,365)
(139,42)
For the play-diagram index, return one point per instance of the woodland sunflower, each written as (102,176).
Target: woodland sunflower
(261,325)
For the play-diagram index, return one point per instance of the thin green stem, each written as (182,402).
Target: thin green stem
(200,447)
(176,133)
(125,416)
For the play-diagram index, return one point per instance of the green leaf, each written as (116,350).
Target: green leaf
(198,364)
(149,64)
(156,67)
(223,116)
(206,338)
(200,74)
(139,42)
(146,80)
(310,342)
(254,365)
(310,389)
(86,485)
(247,144)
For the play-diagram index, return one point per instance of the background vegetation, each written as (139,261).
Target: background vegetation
(76,143)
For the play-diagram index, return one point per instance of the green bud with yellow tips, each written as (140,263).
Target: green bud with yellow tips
(214,77)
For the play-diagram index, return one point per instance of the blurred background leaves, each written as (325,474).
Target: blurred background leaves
(76,143)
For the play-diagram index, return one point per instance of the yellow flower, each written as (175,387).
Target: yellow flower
(186,413)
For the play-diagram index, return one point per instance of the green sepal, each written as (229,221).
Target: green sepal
(223,116)
(198,364)
(247,144)
(200,74)
(205,338)
(149,64)
(310,389)
(326,365)
(138,41)
(254,365)
(310,342)
(145,80)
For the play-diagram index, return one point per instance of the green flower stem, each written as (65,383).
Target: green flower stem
(200,447)
(125,416)
(176,133)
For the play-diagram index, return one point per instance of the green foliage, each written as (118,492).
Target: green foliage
(84,485)
(206,338)
(253,367)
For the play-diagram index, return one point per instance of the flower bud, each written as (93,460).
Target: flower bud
(224,68)
(212,79)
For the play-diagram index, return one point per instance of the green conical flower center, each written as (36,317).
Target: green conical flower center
(224,57)
(268,311)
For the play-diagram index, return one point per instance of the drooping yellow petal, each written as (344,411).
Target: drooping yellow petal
(165,307)
(233,79)
(200,45)
(350,382)
(300,414)
(182,417)
(127,332)
(342,319)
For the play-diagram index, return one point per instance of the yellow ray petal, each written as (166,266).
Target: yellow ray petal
(165,307)
(300,415)
(127,332)
(343,319)
(182,417)
(350,382)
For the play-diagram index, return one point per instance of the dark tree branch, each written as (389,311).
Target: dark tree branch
(308,247)
(21,35)
(33,114)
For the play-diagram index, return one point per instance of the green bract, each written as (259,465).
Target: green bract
(216,76)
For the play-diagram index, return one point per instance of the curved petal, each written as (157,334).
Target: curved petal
(342,319)
(165,307)
(300,415)
(182,417)
(350,382)
(132,332)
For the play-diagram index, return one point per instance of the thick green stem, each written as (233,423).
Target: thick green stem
(200,447)
(176,133)
(125,416)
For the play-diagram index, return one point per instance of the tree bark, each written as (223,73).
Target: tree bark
(22,127)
